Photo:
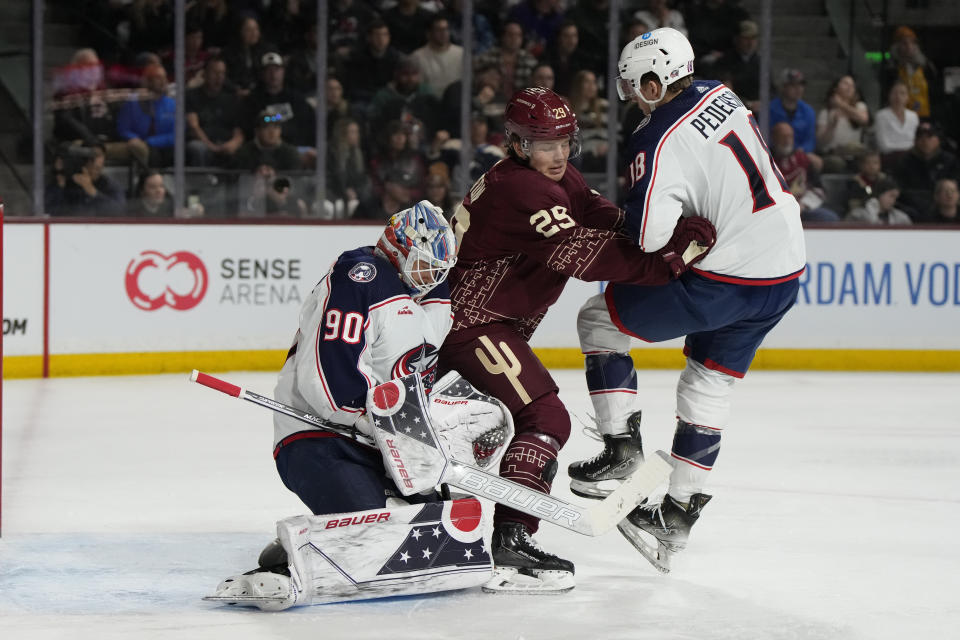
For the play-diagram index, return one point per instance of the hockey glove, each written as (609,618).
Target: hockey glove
(692,239)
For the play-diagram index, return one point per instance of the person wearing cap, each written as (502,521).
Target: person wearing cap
(267,147)
(397,193)
(299,123)
(926,163)
(146,121)
(908,64)
(790,107)
(881,208)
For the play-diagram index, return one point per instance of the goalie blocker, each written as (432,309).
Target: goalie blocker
(405,550)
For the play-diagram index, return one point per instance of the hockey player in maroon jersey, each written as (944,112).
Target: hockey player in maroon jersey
(526,226)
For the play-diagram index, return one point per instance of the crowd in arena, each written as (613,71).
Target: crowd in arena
(393,94)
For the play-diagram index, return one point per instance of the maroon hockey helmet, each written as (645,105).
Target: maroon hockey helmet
(536,113)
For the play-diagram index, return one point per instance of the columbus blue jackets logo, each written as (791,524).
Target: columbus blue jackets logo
(363,272)
(422,359)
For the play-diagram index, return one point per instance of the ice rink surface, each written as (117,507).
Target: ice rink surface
(836,514)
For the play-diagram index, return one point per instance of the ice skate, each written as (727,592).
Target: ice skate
(521,566)
(669,525)
(599,476)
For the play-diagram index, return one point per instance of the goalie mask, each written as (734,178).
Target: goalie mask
(665,52)
(420,245)
(536,113)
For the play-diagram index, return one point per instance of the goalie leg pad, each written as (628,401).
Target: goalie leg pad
(408,550)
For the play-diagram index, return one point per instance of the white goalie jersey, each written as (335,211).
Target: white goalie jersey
(359,327)
(702,154)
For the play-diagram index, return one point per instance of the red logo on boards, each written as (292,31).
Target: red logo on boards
(154,280)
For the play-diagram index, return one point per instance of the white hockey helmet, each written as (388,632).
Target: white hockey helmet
(421,245)
(665,52)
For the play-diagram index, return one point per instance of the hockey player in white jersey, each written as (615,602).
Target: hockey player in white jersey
(698,152)
(379,314)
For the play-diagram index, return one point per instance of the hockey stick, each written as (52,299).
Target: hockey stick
(597,519)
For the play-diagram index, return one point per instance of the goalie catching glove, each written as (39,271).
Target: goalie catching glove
(473,427)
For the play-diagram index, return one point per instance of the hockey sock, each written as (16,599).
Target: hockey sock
(531,461)
(612,382)
(696,447)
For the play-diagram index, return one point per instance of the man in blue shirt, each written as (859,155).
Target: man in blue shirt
(146,121)
(790,108)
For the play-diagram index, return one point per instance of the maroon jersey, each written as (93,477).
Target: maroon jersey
(522,235)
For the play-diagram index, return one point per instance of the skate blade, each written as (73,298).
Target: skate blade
(658,555)
(593,490)
(509,580)
(248,601)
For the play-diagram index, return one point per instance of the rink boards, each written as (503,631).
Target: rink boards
(83,299)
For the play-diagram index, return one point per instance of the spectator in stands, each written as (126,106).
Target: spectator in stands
(338,107)
(633,29)
(151,199)
(539,20)
(515,62)
(397,194)
(881,208)
(272,196)
(371,65)
(436,189)
(659,14)
(86,114)
(405,97)
(215,19)
(860,186)
(801,173)
(712,26)
(85,74)
(592,19)
(195,56)
(487,149)
(488,98)
(739,66)
(151,24)
(567,57)
(908,64)
(408,23)
(895,126)
(348,22)
(213,119)
(840,126)
(284,23)
(542,76)
(483,38)
(347,178)
(81,188)
(299,121)
(591,110)
(918,171)
(301,73)
(789,107)
(440,61)
(395,154)
(945,203)
(267,148)
(147,121)
(245,56)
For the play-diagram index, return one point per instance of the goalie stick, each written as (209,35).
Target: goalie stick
(597,519)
